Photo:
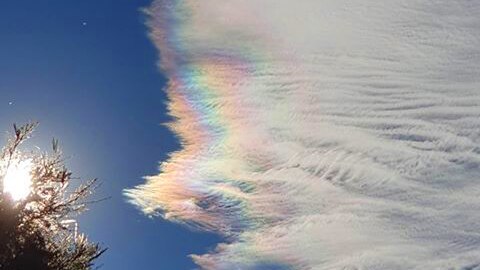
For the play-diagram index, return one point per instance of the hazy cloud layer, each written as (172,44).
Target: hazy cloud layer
(323,134)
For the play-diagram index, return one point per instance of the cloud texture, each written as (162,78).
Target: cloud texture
(322,134)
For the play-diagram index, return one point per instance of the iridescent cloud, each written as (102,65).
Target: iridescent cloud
(326,134)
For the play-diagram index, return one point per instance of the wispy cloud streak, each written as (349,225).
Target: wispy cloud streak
(326,134)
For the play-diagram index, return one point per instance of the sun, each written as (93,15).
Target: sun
(18,180)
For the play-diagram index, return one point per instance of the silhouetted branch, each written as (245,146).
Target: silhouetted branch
(33,234)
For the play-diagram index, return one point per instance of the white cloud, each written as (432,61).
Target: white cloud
(323,134)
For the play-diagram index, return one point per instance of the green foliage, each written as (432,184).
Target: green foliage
(39,232)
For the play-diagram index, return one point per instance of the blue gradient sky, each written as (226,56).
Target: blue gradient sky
(97,89)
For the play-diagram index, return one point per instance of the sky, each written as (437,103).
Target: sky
(311,134)
(96,88)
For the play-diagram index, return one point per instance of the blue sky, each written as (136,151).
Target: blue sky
(87,71)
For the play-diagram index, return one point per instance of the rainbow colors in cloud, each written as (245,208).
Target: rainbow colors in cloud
(322,134)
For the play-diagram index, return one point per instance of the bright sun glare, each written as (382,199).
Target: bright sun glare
(18,179)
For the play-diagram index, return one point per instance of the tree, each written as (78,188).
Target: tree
(38,231)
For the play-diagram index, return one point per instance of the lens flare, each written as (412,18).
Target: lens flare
(18,179)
